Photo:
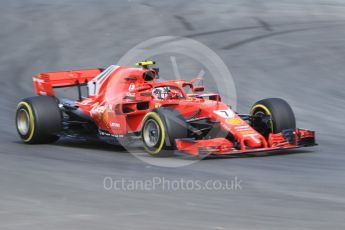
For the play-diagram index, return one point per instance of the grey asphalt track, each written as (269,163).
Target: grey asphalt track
(289,49)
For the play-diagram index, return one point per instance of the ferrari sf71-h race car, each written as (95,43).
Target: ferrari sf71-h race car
(124,103)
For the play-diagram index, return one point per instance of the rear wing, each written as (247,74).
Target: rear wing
(44,83)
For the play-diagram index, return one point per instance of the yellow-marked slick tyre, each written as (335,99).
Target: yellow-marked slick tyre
(279,112)
(160,128)
(38,120)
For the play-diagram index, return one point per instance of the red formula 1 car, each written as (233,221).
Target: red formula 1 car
(131,103)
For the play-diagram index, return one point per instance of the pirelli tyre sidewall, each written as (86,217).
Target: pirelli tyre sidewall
(169,124)
(282,116)
(38,119)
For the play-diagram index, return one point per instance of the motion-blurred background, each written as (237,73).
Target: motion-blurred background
(290,49)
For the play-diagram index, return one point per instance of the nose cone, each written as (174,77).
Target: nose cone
(253,141)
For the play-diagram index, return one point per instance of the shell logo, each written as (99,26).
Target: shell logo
(234,121)
(105,116)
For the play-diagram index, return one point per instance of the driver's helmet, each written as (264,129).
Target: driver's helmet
(165,92)
(158,93)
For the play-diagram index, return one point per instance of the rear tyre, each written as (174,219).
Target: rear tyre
(160,129)
(273,115)
(38,120)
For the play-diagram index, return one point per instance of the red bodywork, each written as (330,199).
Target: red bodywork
(119,98)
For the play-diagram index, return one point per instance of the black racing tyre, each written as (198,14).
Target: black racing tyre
(280,114)
(38,120)
(160,129)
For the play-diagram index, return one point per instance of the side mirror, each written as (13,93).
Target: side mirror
(198,89)
(198,85)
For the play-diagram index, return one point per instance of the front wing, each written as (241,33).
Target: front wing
(287,139)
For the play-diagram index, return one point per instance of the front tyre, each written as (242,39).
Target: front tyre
(153,134)
(38,120)
(160,129)
(272,115)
